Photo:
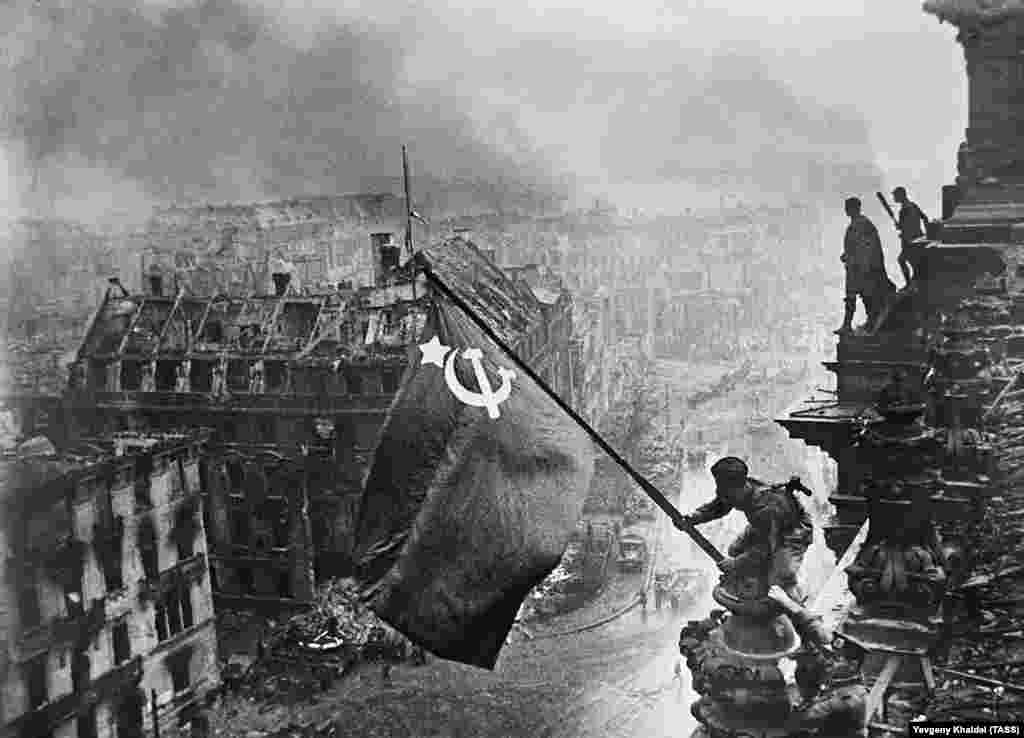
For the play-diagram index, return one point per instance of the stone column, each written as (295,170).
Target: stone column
(990,162)
(995,74)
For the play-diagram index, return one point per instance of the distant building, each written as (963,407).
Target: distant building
(228,249)
(296,388)
(107,611)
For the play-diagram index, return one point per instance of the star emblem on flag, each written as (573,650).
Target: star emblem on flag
(433,352)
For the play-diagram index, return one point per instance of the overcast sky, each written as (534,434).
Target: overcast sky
(896,65)
(115,103)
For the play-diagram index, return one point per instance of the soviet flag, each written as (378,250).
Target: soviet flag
(476,484)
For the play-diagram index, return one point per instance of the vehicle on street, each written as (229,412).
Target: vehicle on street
(632,551)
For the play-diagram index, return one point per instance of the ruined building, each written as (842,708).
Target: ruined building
(295,388)
(106,613)
(229,249)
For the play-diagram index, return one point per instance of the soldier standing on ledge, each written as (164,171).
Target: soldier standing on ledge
(865,267)
(779,528)
(911,225)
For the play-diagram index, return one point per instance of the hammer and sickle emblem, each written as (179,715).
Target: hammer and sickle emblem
(487,397)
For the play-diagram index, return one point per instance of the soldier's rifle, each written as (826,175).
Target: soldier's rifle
(888,208)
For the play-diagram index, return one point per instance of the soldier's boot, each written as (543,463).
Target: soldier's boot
(849,308)
(905,268)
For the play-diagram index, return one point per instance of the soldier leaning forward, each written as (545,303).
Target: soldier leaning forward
(778,529)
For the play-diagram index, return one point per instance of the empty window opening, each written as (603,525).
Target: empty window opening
(178,667)
(241,528)
(354,382)
(284,585)
(143,471)
(85,725)
(200,376)
(122,642)
(131,375)
(389,380)
(166,375)
(245,582)
(28,604)
(80,671)
(213,332)
(35,682)
(185,601)
(274,375)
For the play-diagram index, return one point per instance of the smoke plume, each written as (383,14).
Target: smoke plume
(223,100)
(112,105)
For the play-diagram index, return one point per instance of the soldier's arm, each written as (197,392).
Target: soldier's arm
(713,510)
(807,624)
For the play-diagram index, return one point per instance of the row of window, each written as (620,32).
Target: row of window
(110,555)
(244,376)
(36,676)
(128,714)
(243,582)
(174,613)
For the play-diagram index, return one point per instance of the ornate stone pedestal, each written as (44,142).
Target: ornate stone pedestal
(735,659)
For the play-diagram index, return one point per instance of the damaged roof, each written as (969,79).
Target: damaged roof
(508,305)
(350,324)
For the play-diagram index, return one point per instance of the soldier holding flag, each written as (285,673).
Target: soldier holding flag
(779,528)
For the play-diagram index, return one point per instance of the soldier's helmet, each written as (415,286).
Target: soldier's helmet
(730,469)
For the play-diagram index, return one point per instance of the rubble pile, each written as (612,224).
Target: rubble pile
(337,617)
(307,652)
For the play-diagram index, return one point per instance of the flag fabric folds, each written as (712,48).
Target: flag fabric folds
(471,496)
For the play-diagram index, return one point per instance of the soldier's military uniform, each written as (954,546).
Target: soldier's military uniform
(865,270)
(910,224)
(778,527)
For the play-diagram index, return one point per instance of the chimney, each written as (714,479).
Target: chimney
(464,233)
(386,256)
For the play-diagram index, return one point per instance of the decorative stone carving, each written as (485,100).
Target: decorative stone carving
(736,658)
(902,563)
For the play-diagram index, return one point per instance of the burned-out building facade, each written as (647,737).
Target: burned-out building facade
(107,617)
(295,388)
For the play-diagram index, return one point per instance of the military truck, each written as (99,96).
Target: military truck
(632,550)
